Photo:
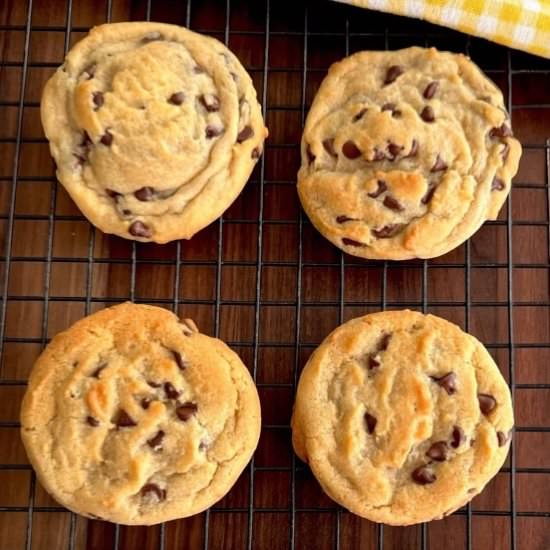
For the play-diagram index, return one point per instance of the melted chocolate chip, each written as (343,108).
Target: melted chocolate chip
(395,112)
(378,155)
(90,71)
(310,155)
(423,475)
(151,37)
(139,229)
(360,115)
(370,421)
(179,360)
(107,138)
(458,437)
(438,451)
(151,489)
(387,231)
(414,149)
(213,131)
(429,194)
(350,150)
(447,382)
(430,89)
(145,194)
(501,131)
(373,362)
(94,422)
(427,114)
(351,242)
(497,184)
(98,99)
(394,150)
(392,204)
(86,141)
(170,391)
(124,420)
(177,98)
(156,441)
(154,384)
(439,165)
(328,144)
(186,411)
(210,102)
(502,439)
(343,219)
(97,372)
(380,189)
(392,73)
(384,342)
(145,403)
(246,133)
(486,403)
(255,154)
(113,194)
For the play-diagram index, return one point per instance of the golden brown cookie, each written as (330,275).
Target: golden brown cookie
(402,417)
(405,153)
(154,129)
(135,417)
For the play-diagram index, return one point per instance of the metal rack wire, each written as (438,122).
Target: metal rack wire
(298,516)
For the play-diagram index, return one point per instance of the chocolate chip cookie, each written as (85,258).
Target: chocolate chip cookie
(405,153)
(402,417)
(154,129)
(133,416)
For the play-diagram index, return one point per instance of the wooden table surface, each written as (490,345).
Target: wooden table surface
(265,281)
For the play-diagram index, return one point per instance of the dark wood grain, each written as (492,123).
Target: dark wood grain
(260,285)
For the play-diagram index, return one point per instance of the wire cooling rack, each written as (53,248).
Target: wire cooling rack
(262,279)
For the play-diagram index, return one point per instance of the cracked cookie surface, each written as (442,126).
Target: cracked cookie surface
(154,129)
(405,153)
(402,417)
(135,417)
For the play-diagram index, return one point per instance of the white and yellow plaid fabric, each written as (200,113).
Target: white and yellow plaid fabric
(521,24)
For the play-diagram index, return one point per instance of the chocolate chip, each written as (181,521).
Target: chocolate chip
(97,372)
(378,155)
(380,189)
(502,439)
(328,144)
(94,422)
(124,420)
(127,212)
(501,131)
(486,403)
(210,102)
(394,149)
(152,489)
(310,155)
(86,141)
(458,437)
(370,421)
(427,114)
(246,133)
(373,362)
(505,151)
(203,445)
(170,391)
(423,475)
(414,149)
(177,98)
(430,89)
(186,411)
(139,229)
(392,73)
(152,36)
(179,360)
(387,231)
(392,204)
(429,194)
(145,403)
(197,69)
(156,441)
(154,384)
(351,242)
(388,107)
(213,131)
(113,194)
(98,99)
(447,382)
(90,71)
(438,451)
(107,138)
(360,115)
(384,342)
(343,219)
(255,153)
(144,194)
(497,184)
(350,150)
(439,165)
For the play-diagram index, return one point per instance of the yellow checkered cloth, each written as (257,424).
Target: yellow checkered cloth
(521,24)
